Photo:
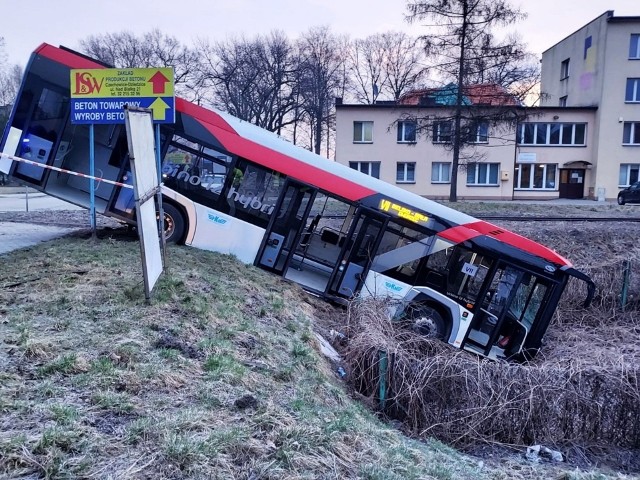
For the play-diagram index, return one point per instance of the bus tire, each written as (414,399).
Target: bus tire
(428,322)
(174,224)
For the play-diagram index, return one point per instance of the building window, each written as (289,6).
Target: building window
(406,172)
(441,172)
(370,168)
(632,93)
(482,173)
(406,132)
(564,69)
(631,133)
(363,132)
(442,131)
(570,134)
(628,174)
(563,101)
(536,176)
(478,132)
(634,46)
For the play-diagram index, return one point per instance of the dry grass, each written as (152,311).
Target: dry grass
(545,209)
(465,400)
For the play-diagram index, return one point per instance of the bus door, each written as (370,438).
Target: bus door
(511,302)
(285,226)
(358,252)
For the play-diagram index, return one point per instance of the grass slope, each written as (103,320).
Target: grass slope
(219,377)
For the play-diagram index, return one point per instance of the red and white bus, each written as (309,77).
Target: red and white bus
(234,188)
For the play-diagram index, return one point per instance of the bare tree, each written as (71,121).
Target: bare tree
(152,49)
(385,66)
(366,62)
(322,77)
(461,39)
(404,64)
(10,77)
(3,54)
(508,64)
(254,80)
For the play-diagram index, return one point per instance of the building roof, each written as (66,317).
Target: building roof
(627,19)
(479,94)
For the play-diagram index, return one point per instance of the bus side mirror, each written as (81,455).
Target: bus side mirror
(591,286)
(591,291)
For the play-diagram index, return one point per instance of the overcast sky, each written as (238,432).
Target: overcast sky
(25,24)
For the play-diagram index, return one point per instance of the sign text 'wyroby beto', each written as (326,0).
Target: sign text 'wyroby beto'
(98,96)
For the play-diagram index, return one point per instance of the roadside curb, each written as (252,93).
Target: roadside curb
(14,190)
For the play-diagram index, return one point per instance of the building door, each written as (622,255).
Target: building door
(572,182)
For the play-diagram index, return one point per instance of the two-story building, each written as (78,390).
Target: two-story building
(548,156)
(581,143)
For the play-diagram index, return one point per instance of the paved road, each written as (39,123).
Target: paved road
(20,202)
(14,235)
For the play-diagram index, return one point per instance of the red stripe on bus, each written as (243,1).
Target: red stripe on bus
(270,158)
(518,241)
(290,166)
(198,112)
(66,58)
(241,146)
(458,234)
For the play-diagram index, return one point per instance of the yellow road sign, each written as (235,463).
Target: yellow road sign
(112,82)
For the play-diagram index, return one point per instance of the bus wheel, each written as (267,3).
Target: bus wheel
(173,224)
(428,322)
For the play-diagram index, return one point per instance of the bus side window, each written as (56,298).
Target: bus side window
(458,276)
(439,261)
(434,274)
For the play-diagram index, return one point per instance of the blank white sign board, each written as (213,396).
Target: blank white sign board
(139,123)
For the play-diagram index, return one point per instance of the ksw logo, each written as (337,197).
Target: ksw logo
(86,84)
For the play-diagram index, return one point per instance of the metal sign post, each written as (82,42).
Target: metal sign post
(92,189)
(159,197)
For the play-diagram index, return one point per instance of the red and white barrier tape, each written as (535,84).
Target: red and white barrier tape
(57,169)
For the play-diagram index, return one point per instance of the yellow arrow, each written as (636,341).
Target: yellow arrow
(159,108)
